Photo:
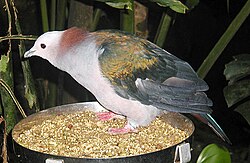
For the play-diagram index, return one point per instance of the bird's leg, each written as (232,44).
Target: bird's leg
(127,128)
(107,115)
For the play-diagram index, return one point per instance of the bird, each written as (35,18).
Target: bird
(128,75)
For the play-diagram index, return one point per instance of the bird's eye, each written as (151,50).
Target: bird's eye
(43,46)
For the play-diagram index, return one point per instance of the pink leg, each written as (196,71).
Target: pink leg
(105,116)
(127,128)
(108,115)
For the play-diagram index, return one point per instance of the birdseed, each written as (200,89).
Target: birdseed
(82,135)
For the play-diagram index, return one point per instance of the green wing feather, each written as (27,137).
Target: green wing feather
(140,70)
(126,56)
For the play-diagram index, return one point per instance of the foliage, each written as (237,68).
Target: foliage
(120,4)
(8,99)
(237,93)
(214,153)
(175,5)
(3,63)
(224,40)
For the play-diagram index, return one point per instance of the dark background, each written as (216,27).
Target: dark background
(191,38)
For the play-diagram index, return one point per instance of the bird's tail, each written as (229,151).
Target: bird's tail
(209,120)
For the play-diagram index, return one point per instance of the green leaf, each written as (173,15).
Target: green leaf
(237,92)
(120,4)
(238,69)
(238,89)
(242,57)
(178,8)
(31,98)
(9,112)
(214,153)
(4,63)
(175,5)
(244,110)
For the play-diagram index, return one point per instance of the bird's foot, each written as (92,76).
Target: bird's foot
(126,129)
(107,115)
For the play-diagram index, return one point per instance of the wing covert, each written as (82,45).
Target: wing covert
(140,70)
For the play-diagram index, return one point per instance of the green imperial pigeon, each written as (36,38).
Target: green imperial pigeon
(129,76)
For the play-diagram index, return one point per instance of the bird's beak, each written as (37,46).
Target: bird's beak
(29,53)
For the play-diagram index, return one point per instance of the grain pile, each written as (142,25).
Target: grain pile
(83,135)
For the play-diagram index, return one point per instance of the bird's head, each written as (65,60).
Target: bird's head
(46,46)
(54,44)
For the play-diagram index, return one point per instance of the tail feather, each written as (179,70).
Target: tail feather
(208,119)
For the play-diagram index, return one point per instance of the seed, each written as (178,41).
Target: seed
(83,135)
(70,126)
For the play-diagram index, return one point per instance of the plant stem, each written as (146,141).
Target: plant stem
(162,29)
(224,40)
(61,14)
(18,37)
(127,19)
(4,154)
(44,14)
(96,18)
(53,15)
(8,89)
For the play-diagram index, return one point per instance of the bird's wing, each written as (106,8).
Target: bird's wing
(140,70)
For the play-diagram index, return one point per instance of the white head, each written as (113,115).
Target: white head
(55,44)
(46,46)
